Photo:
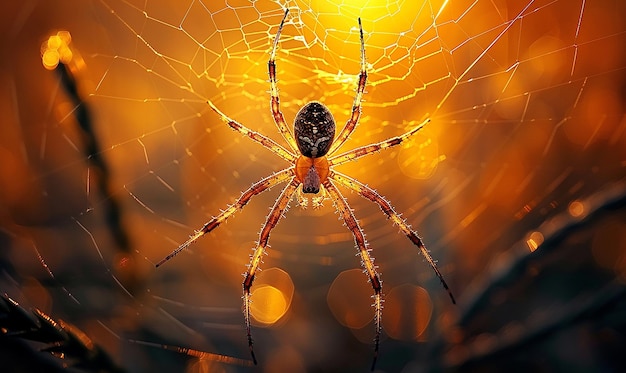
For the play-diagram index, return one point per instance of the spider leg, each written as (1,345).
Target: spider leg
(366,259)
(263,140)
(279,119)
(255,189)
(255,260)
(373,148)
(387,208)
(356,106)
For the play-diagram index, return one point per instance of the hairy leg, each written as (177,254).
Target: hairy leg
(245,197)
(366,259)
(373,148)
(255,260)
(356,106)
(263,140)
(388,209)
(279,119)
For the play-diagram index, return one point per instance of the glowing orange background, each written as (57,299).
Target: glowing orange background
(527,117)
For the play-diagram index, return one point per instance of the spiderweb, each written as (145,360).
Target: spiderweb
(526,101)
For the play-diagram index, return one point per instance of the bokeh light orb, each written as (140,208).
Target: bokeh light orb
(271,296)
(418,158)
(349,299)
(408,311)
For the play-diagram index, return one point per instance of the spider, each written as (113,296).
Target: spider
(311,157)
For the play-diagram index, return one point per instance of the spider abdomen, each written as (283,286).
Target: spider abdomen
(314,129)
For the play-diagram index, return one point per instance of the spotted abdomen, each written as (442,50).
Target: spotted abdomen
(314,129)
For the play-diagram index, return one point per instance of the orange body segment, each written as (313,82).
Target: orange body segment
(303,165)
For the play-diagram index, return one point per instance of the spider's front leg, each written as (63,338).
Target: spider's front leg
(256,258)
(358,97)
(376,147)
(366,259)
(255,136)
(279,118)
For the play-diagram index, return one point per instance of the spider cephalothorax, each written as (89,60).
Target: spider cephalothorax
(311,157)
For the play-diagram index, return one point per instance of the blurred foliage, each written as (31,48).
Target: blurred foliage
(60,339)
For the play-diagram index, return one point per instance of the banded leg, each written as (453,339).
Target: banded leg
(263,140)
(356,106)
(366,259)
(255,189)
(369,193)
(279,119)
(255,260)
(373,148)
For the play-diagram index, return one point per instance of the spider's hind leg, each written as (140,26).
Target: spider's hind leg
(366,259)
(256,258)
(370,194)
